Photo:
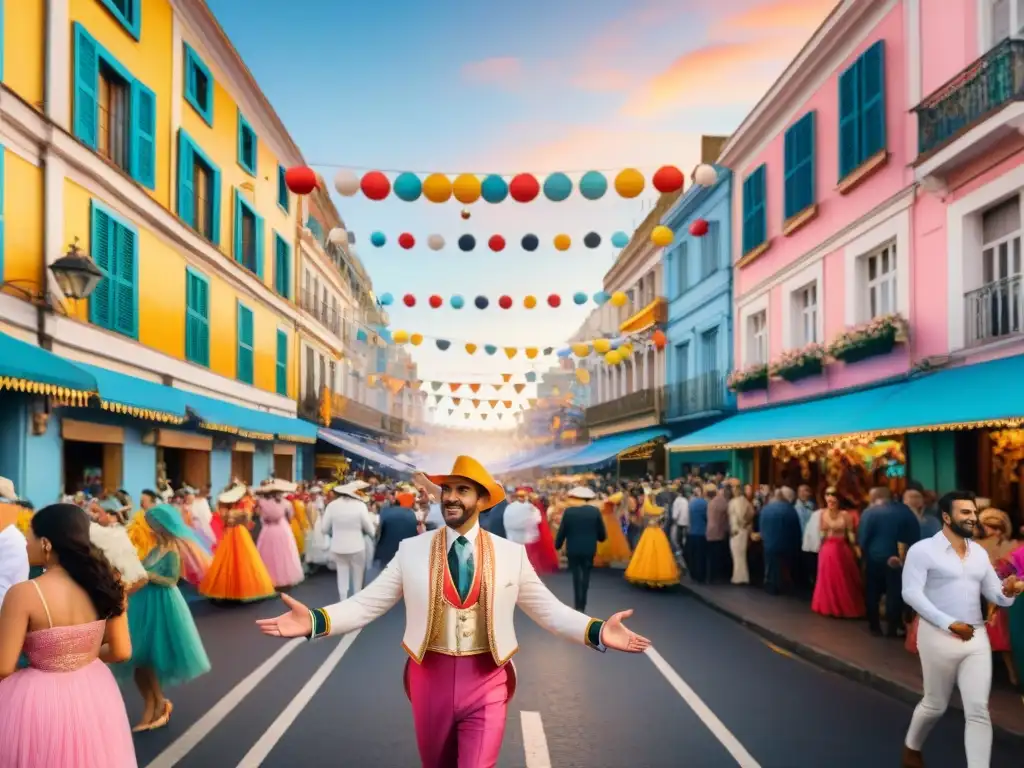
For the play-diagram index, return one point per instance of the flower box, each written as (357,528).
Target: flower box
(750,379)
(870,340)
(800,370)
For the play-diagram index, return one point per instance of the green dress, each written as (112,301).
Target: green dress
(164,635)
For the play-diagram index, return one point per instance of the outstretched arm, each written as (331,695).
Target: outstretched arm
(363,607)
(541,605)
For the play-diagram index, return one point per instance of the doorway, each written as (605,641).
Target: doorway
(284,467)
(92,457)
(241,465)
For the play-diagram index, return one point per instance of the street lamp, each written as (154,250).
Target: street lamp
(76,274)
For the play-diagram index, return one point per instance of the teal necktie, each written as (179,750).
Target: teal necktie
(460,564)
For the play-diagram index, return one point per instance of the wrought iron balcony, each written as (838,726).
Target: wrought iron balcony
(321,311)
(640,403)
(332,406)
(979,91)
(699,394)
(994,311)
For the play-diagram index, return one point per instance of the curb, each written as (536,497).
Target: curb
(847,669)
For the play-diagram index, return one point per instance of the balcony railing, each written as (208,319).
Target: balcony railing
(341,407)
(995,311)
(321,311)
(640,403)
(699,394)
(983,88)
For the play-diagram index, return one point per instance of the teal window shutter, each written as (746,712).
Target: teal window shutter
(215,191)
(872,94)
(142,149)
(239,256)
(282,363)
(282,189)
(754,219)
(849,121)
(125,300)
(261,242)
(86,85)
(198,85)
(798,186)
(197,318)
(245,344)
(186,190)
(247,146)
(128,14)
(282,266)
(102,247)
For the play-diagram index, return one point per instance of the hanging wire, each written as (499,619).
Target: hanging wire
(367,168)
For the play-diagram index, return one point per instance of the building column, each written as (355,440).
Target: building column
(57,90)
(644,373)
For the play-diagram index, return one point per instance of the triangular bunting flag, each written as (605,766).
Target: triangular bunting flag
(518,388)
(466,415)
(436,385)
(507,403)
(532,401)
(395,385)
(474,388)
(497,387)
(483,416)
(454,387)
(510,352)
(493,404)
(438,398)
(456,400)
(451,411)
(531,352)
(471,348)
(423,395)
(476,403)
(506,377)
(415,384)
(500,415)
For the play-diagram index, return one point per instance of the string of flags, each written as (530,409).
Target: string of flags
(554,300)
(397,384)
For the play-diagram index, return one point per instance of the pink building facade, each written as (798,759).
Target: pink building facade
(824,210)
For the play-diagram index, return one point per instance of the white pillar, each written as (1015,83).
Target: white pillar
(57,92)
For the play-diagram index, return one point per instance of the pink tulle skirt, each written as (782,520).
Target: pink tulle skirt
(838,591)
(280,554)
(195,562)
(64,719)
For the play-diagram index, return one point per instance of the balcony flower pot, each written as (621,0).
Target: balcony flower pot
(801,370)
(870,340)
(750,379)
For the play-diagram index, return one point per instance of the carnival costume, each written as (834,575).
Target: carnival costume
(299,521)
(838,590)
(614,550)
(653,563)
(276,542)
(237,573)
(140,534)
(542,552)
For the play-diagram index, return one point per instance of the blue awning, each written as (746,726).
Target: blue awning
(607,448)
(551,458)
(358,449)
(120,393)
(222,416)
(25,367)
(825,417)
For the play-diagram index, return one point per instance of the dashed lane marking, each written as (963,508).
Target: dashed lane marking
(725,737)
(262,748)
(202,727)
(534,741)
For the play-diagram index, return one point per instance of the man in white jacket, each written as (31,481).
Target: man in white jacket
(522,519)
(346,520)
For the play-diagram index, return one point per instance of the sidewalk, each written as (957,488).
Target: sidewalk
(845,647)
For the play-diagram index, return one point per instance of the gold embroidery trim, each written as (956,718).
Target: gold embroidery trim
(435,596)
(586,633)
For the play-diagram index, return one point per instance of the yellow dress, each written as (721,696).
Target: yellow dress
(653,564)
(300,524)
(24,521)
(141,535)
(615,548)
(237,572)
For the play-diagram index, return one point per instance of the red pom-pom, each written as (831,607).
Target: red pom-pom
(406,240)
(668,178)
(699,228)
(300,180)
(496,243)
(375,185)
(409,300)
(659,339)
(435,301)
(554,300)
(505,302)
(524,188)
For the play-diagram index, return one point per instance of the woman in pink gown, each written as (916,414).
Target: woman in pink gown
(837,591)
(64,709)
(276,542)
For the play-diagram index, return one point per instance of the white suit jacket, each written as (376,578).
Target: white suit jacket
(416,574)
(346,521)
(521,522)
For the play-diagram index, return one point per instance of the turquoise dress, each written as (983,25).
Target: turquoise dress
(164,635)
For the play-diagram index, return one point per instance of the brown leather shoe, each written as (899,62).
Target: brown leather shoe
(912,758)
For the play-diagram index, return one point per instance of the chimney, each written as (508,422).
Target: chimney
(711,148)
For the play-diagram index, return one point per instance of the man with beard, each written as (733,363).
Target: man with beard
(461,586)
(944,578)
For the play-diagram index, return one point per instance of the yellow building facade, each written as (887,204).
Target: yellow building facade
(133,129)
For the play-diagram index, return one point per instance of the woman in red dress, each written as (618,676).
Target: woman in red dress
(542,552)
(837,591)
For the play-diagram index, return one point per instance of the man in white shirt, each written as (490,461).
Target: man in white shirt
(13,551)
(346,520)
(522,519)
(680,522)
(944,578)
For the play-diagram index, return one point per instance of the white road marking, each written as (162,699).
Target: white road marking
(202,727)
(725,737)
(534,741)
(255,757)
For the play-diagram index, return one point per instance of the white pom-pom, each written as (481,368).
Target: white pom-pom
(705,175)
(337,236)
(346,182)
(435,242)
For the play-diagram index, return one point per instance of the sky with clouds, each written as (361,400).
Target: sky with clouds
(456,86)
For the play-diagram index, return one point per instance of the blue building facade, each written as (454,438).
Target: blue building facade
(698,285)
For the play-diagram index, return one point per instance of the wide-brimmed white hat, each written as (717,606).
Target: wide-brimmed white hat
(582,492)
(233,495)
(278,485)
(351,489)
(7,490)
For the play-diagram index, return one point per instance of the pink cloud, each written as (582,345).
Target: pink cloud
(502,71)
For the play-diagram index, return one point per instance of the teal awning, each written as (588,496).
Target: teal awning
(25,367)
(607,448)
(825,417)
(222,416)
(121,393)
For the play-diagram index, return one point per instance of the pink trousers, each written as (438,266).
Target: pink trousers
(458,709)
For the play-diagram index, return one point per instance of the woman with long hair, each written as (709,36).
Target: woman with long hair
(65,707)
(168,649)
(237,573)
(837,588)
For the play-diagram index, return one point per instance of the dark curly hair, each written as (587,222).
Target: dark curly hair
(66,527)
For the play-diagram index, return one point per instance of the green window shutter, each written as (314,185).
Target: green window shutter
(754,223)
(282,189)
(142,150)
(282,363)
(186,181)
(261,242)
(282,266)
(215,205)
(872,101)
(849,120)
(799,166)
(245,344)
(86,85)
(125,300)
(239,256)
(102,247)
(197,319)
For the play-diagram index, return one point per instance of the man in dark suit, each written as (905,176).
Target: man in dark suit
(887,530)
(495,519)
(581,529)
(779,528)
(396,523)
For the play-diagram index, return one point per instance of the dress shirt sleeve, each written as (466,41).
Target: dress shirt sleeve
(541,605)
(681,512)
(992,587)
(13,566)
(915,574)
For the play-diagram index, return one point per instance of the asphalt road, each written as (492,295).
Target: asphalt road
(713,694)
